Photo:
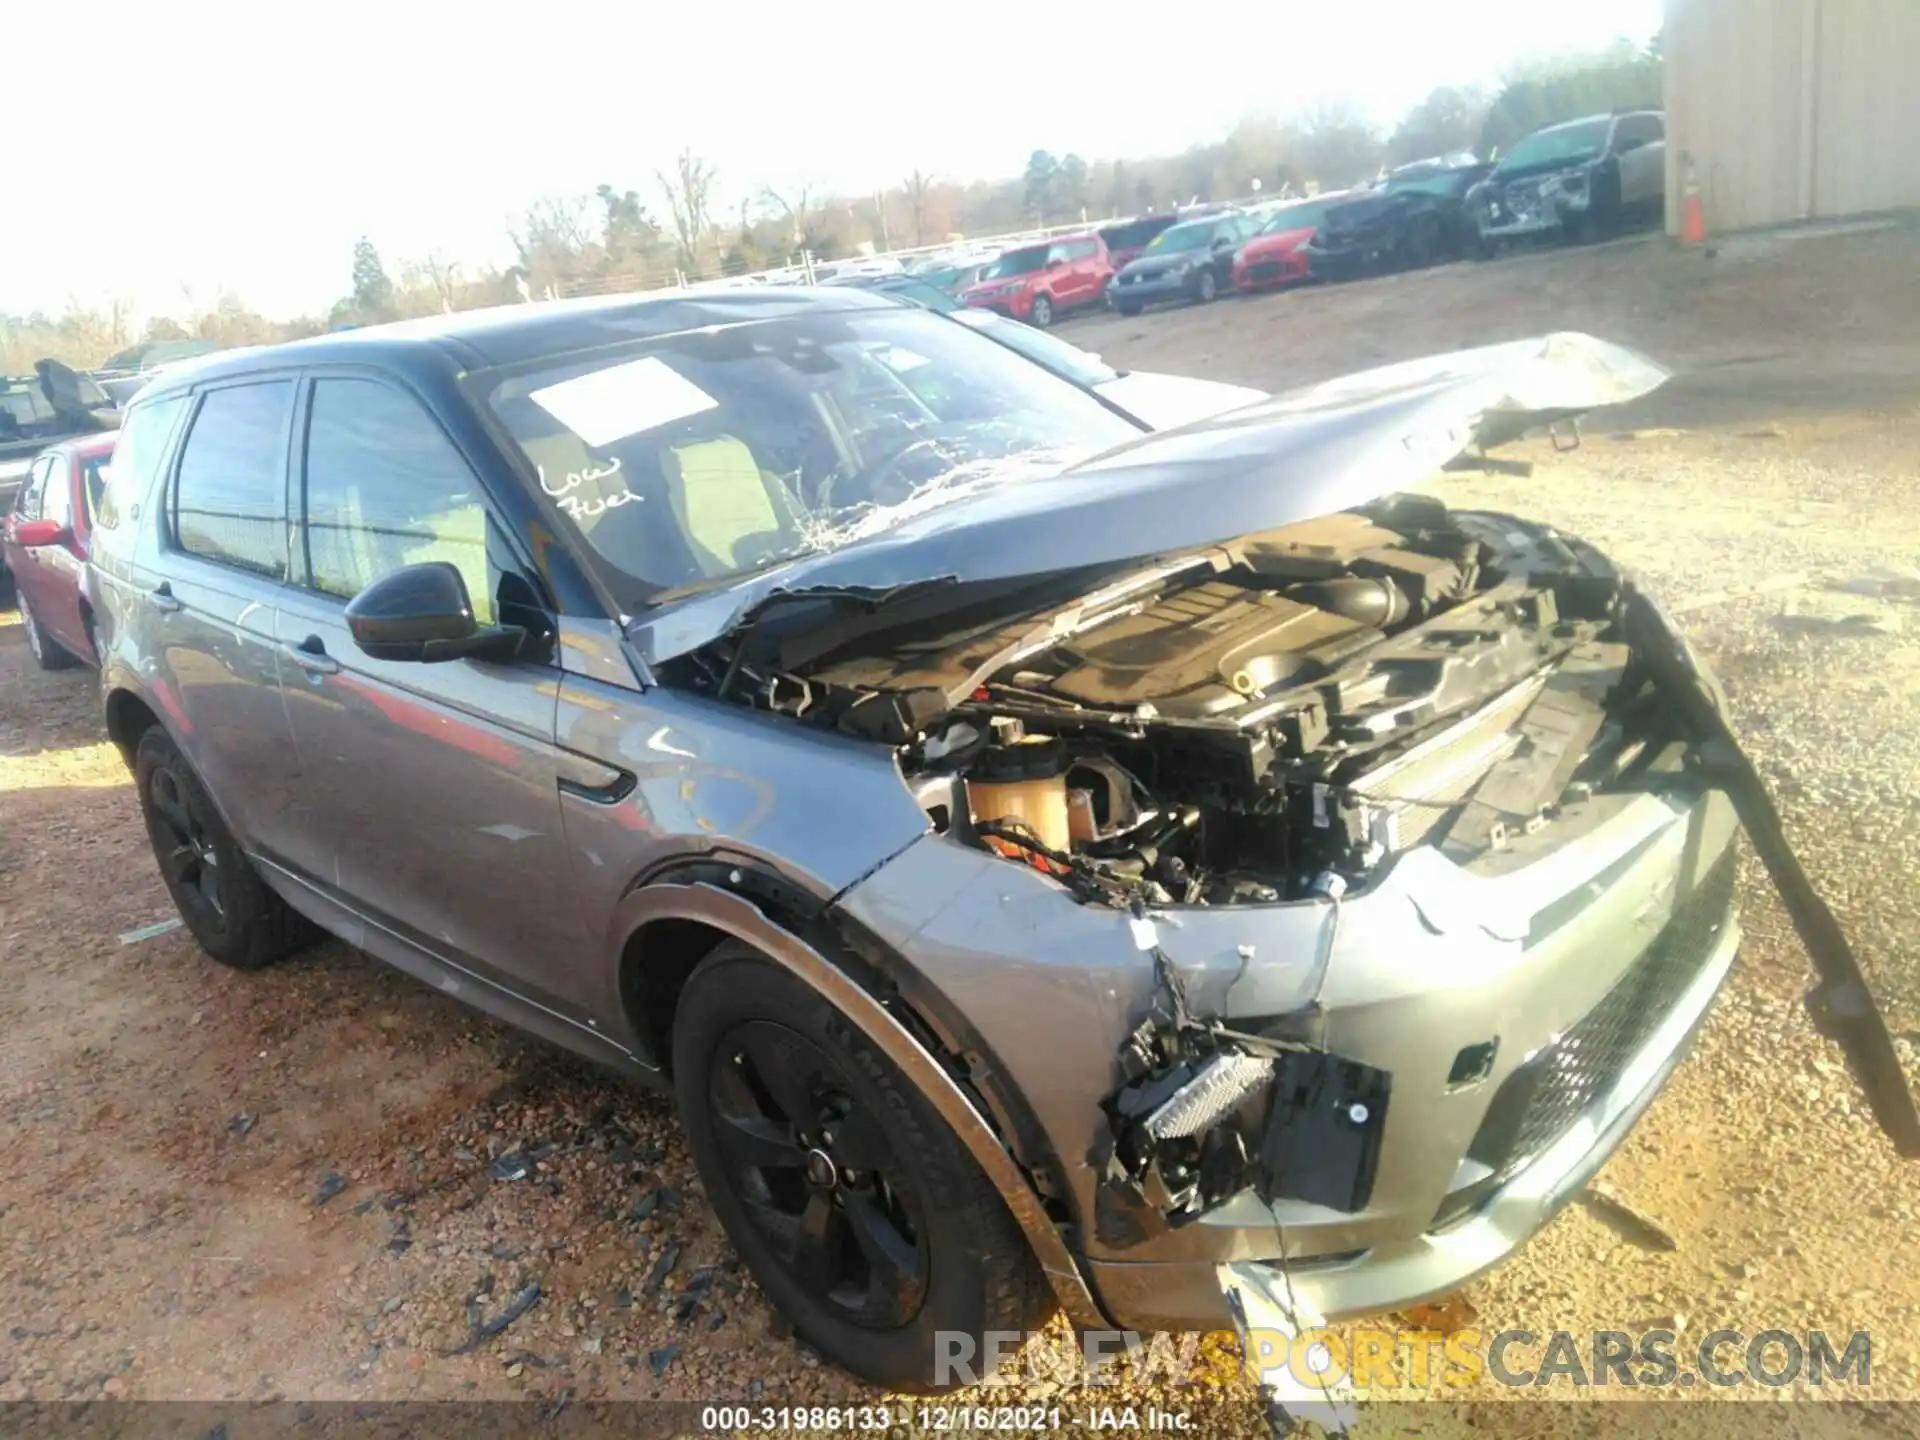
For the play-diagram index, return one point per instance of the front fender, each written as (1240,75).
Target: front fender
(734,915)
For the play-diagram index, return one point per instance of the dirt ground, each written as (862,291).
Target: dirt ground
(301,1184)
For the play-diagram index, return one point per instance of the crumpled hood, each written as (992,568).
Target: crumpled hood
(1301,454)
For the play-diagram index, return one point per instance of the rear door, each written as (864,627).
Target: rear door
(429,793)
(212,643)
(1089,273)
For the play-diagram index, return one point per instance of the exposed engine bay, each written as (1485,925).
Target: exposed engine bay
(1272,718)
(1264,720)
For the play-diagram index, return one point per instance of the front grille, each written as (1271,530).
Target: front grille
(1541,1099)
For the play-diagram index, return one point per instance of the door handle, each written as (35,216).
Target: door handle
(162,598)
(311,656)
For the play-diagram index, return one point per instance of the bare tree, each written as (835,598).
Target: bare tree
(444,275)
(917,186)
(551,242)
(1338,144)
(796,208)
(688,191)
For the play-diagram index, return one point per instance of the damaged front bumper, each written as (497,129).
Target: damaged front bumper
(1531,208)
(1512,1025)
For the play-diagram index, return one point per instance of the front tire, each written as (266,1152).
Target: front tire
(46,651)
(1126,308)
(1041,315)
(1206,287)
(227,907)
(858,1210)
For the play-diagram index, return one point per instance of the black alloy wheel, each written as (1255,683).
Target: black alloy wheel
(189,859)
(226,906)
(858,1210)
(812,1165)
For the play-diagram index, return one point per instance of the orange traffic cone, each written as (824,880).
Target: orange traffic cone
(1693,220)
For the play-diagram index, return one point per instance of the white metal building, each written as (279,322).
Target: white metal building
(1791,109)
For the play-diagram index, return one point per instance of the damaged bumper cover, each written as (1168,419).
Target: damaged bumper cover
(1360,1102)
(1432,1093)
(1531,207)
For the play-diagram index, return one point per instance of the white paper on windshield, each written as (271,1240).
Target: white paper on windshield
(622,400)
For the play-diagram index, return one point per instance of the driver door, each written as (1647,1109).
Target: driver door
(428,793)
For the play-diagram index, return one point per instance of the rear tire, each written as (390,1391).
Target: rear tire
(859,1212)
(228,908)
(46,651)
(1041,315)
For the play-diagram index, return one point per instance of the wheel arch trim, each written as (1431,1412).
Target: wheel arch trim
(744,921)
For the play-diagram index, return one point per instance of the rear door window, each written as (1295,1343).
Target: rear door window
(229,495)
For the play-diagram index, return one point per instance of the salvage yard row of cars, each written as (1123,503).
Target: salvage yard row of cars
(1577,181)
(1173,875)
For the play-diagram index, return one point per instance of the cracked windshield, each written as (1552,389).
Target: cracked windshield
(730,450)
(736,734)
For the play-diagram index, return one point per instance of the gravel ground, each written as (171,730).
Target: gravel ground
(309,1183)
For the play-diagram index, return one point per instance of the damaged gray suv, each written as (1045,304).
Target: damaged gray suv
(1175,877)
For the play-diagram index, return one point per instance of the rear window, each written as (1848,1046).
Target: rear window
(229,498)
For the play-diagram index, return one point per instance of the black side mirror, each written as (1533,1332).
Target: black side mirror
(422,612)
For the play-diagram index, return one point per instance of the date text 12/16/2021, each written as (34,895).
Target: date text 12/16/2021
(934,1417)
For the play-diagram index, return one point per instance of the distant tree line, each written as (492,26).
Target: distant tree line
(612,240)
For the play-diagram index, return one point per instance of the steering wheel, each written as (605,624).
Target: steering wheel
(886,486)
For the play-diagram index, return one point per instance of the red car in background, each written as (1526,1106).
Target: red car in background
(1034,283)
(44,544)
(1276,254)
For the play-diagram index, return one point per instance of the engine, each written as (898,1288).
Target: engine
(1272,718)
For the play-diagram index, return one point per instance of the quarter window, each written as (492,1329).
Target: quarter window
(385,488)
(137,453)
(229,498)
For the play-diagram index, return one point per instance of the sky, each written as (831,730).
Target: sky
(245,146)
